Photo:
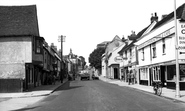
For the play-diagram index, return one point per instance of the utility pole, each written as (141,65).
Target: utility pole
(61,39)
(177,95)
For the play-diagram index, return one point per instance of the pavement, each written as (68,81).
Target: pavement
(43,90)
(166,93)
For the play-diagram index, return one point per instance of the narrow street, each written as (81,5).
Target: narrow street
(95,95)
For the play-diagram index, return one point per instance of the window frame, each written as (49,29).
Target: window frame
(154,52)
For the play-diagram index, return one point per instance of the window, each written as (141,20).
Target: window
(143,54)
(38,46)
(156,73)
(154,50)
(163,46)
(171,72)
(144,73)
(125,54)
(130,51)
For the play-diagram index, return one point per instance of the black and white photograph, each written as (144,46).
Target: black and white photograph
(92,55)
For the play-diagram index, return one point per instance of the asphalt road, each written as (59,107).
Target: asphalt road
(95,95)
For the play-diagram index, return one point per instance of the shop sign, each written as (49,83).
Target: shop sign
(156,38)
(181,36)
(118,59)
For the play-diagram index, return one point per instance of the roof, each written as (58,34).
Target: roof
(132,43)
(126,47)
(180,13)
(18,20)
(103,44)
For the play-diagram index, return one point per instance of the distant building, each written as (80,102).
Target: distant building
(103,44)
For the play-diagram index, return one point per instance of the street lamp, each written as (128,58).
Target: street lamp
(61,39)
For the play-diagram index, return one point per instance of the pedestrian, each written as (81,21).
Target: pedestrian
(132,76)
(129,78)
(122,77)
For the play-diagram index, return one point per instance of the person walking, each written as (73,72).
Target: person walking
(132,76)
(129,77)
(122,77)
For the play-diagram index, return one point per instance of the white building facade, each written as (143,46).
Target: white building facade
(156,52)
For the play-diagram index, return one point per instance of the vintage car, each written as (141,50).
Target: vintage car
(85,76)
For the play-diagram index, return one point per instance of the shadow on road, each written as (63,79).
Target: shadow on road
(66,86)
(25,109)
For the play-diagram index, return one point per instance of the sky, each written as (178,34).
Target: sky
(86,23)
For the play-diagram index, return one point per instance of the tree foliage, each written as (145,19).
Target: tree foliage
(95,57)
(83,61)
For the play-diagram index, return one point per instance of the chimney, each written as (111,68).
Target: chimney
(154,18)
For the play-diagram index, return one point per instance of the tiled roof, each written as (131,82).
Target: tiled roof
(18,20)
(180,12)
(132,43)
(126,47)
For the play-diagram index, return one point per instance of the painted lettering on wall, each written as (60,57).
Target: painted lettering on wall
(167,33)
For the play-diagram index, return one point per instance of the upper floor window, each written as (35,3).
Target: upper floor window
(130,51)
(143,54)
(154,50)
(163,46)
(125,54)
(38,46)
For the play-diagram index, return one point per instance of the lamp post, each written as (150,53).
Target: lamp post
(61,39)
(177,94)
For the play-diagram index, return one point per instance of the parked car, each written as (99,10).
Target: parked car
(85,76)
(95,77)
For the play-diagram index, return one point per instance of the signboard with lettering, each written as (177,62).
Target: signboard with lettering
(181,36)
(118,59)
(164,34)
(181,39)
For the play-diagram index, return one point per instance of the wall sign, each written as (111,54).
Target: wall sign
(158,37)
(181,36)
(118,59)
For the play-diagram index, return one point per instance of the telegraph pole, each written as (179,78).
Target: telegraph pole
(61,39)
(177,95)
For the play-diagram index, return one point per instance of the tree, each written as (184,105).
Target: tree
(83,63)
(95,57)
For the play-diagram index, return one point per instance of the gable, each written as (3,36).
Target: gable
(18,20)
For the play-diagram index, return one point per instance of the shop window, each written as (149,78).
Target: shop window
(154,50)
(182,72)
(171,72)
(142,54)
(144,74)
(163,46)
(156,73)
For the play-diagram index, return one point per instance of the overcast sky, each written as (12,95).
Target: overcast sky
(86,23)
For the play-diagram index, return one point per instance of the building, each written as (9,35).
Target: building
(21,47)
(156,51)
(107,62)
(103,44)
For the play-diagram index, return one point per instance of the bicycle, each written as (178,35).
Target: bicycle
(157,87)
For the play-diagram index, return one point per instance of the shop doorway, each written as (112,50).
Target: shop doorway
(116,73)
